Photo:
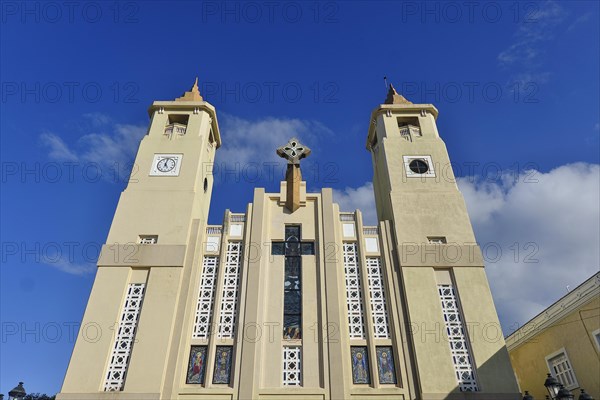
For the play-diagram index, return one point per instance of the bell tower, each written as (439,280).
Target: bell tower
(456,339)
(171,181)
(147,260)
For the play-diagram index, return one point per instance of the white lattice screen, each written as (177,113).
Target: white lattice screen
(354,302)
(377,298)
(231,280)
(459,346)
(126,328)
(208,283)
(292,366)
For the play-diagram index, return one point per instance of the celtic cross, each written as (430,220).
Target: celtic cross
(293,151)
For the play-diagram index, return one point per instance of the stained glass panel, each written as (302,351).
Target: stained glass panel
(292,233)
(292,327)
(360,365)
(197,365)
(292,302)
(385,364)
(292,273)
(277,248)
(222,373)
(307,249)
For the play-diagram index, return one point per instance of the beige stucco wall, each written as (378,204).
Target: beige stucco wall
(573,333)
(176,209)
(422,207)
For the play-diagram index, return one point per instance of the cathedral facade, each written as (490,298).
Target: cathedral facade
(292,297)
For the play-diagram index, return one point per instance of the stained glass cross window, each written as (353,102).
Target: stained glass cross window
(293,248)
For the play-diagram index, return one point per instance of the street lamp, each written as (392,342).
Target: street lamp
(528,396)
(564,394)
(552,385)
(585,396)
(17,393)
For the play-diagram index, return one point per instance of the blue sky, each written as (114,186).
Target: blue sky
(516,84)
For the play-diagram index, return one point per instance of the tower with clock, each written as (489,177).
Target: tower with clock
(291,297)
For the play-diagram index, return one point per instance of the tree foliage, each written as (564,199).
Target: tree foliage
(38,396)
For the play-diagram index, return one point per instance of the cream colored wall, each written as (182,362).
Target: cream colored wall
(165,205)
(175,209)
(418,208)
(404,388)
(90,356)
(430,206)
(325,350)
(261,363)
(432,352)
(574,334)
(494,371)
(273,297)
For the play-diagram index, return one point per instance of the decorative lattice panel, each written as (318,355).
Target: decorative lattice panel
(379,310)
(208,283)
(459,346)
(292,366)
(231,283)
(126,328)
(356,323)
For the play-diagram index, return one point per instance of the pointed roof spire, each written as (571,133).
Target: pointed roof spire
(192,95)
(18,391)
(394,98)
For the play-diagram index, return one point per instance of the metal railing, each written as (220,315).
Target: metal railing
(370,230)
(346,216)
(238,218)
(214,230)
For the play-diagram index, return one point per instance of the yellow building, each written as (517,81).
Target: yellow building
(292,296)
(563,340)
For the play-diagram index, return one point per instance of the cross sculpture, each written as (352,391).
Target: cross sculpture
(293,151)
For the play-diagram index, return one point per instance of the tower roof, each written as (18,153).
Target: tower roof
(191,95)
(18,391)
(394,98)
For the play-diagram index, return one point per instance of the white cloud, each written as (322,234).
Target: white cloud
(580,20)
(253,143)
(361,198)
(97,119)
(58,148)
(70,267)
(553,218)
(113,145)
(537,28)
(547,226)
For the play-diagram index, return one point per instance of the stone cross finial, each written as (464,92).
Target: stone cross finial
(293,151)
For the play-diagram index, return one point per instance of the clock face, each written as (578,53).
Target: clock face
(166,165)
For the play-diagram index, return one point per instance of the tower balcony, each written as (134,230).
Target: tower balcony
(175,128)
(409,131)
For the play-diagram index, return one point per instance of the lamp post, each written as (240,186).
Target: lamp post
(18,393)
(527,396)
(584,396)
(564,394)
(552,385)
